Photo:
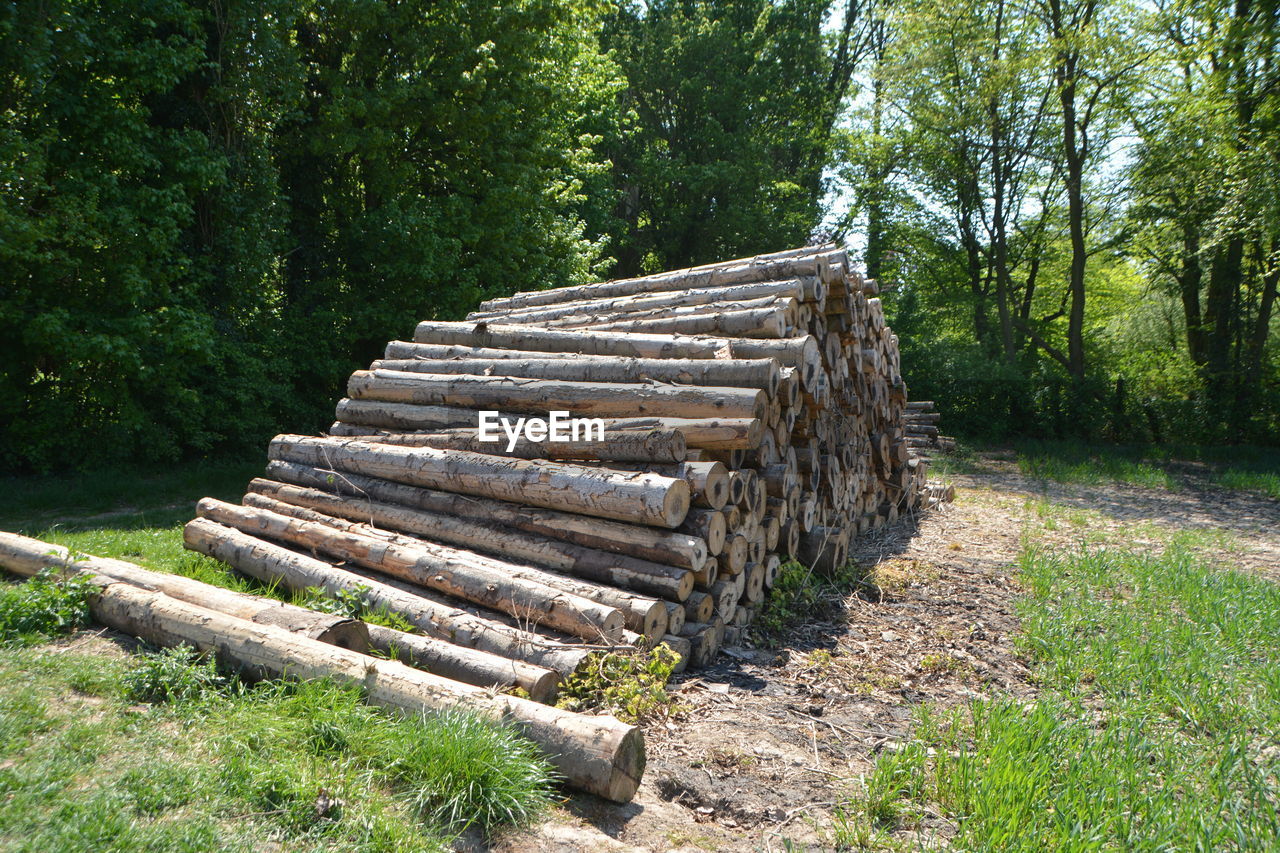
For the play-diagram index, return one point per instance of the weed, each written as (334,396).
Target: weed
(799,595)
(632,685)
(352,604)
(178,674)
(43,607)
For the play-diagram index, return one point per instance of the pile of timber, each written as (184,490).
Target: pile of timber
(750,412)
(920,422)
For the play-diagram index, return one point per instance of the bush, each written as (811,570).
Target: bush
(630,686)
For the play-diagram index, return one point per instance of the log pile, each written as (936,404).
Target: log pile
(920,422)
(743,413)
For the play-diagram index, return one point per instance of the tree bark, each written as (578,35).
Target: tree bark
(639,498)
(647,545)
(540,396)
(271,563)
(484,581)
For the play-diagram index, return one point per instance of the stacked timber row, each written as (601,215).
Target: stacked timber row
(921,424)
(744,413)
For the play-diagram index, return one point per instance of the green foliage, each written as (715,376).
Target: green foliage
(215,211)
(1156,728)
(631,685)
(798,595)
(177,674)
(730,108)
(43,607)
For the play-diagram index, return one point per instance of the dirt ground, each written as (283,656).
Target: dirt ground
(769,741)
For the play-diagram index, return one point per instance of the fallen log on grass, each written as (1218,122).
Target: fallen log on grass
(596,754)
(271,563)
(28,557)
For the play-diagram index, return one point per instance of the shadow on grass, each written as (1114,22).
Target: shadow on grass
(122,499)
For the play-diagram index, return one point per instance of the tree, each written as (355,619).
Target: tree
(733,107)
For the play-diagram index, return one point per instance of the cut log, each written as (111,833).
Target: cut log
(638,498)
(466,665)
(641,614)
(28,557)
(541,396)
(485,581)
(596,754)
(802,352)
(763,373)
(651,446)
(647,545)
(272,563)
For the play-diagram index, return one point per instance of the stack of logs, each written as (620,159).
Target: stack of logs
(752,411)
(920,422)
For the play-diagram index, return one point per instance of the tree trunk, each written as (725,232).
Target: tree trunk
(647,545)
(761,373)
(801,352)
(596,754)
(653,446)
(651,579)
(541,396)
(28,557)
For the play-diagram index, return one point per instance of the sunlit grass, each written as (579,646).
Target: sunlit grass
(1158,727)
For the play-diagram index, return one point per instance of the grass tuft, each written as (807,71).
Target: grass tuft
(177,674)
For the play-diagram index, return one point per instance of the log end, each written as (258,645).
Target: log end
(675,503)
(628,767)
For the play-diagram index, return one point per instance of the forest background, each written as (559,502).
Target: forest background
(211,211)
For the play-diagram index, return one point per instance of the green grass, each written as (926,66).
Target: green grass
(1267,482)
(1071,462)
(1247,468)
(1158,727)
(122,498)
(160,752)
(283,766)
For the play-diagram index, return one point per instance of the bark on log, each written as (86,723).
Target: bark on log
(466,665)
(596,754)
(638,498)
(643,615)
(481,580)
(652,549)
(755,323)
(743,272)
(802,352)
(761,373)
(541,396)
(808,289)
(28,557)
(651,446)
(271,563)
